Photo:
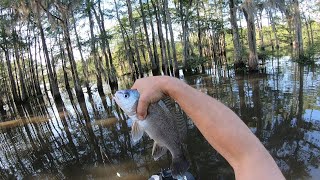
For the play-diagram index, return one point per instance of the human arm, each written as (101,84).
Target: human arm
(223,129)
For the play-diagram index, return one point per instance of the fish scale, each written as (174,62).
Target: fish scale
(179,116)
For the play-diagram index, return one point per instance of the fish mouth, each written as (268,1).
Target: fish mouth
(115,97)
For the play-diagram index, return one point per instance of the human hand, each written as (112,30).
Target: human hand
(151,90)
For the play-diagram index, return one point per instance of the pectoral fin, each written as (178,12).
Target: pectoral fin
(158,151)
(136,132)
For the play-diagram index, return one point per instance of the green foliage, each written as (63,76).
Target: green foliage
(195,61)
(284,42)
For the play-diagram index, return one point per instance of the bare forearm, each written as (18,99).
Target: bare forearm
(223,129)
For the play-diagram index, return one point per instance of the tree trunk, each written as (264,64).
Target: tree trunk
(105,46)
(184,17)
(238,61)
(165,21)
(93,48)
(53,66)
(84,63)
(274,30)
(248,13)
(20,71)
(125,41)
(151,58)
(52,81)
(199,30)
(15,95)
(33,81)
(290,28)
(311,31)
(307,28)
(241,30)
(100,22)
(161,39)
(199,35)
(155,63)
(73,65)
(145,67)
(173,44)
(43,78)
(36,64)
(259,21)
(133,28)
(65,74)
(17,81)
(298,44)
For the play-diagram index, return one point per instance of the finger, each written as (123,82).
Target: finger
(142,108)
(136,84)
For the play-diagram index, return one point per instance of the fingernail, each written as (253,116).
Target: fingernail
(141,117)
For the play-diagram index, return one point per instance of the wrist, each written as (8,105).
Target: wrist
(168,84)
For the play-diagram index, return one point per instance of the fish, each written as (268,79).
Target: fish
(161,125)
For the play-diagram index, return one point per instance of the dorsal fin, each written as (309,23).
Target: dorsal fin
(180,119)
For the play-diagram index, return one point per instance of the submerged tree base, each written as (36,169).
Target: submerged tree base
(239,65)
(303,59)
(155,71)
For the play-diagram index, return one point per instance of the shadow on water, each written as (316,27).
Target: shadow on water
(91,139)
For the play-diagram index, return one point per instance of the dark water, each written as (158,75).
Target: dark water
(71,140)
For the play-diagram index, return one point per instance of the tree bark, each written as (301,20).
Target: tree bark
(298,44)
(311,31)
(165,21)
(155,63)
(112,75)
(199,30)
(200,47)
(289,22)
(84,63)
(184,18)
(133,28)
(144,21)
(15,95)
(238,61)
(64,20)
(307,28)
(33,80)
(160,35)
(259,21)
(36,64)
(65,74)
(274,30)
(20,71)
(248,13)
(173,44)
(52,81)
(125,41)
(93,47)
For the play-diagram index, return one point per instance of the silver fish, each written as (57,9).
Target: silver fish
(161,126)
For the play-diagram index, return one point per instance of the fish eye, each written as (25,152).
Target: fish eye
(126,95)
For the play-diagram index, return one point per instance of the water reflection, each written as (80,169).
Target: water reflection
(91,139)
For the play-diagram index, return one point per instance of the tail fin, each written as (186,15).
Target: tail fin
(179,167)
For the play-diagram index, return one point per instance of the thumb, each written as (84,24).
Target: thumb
(142,108)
